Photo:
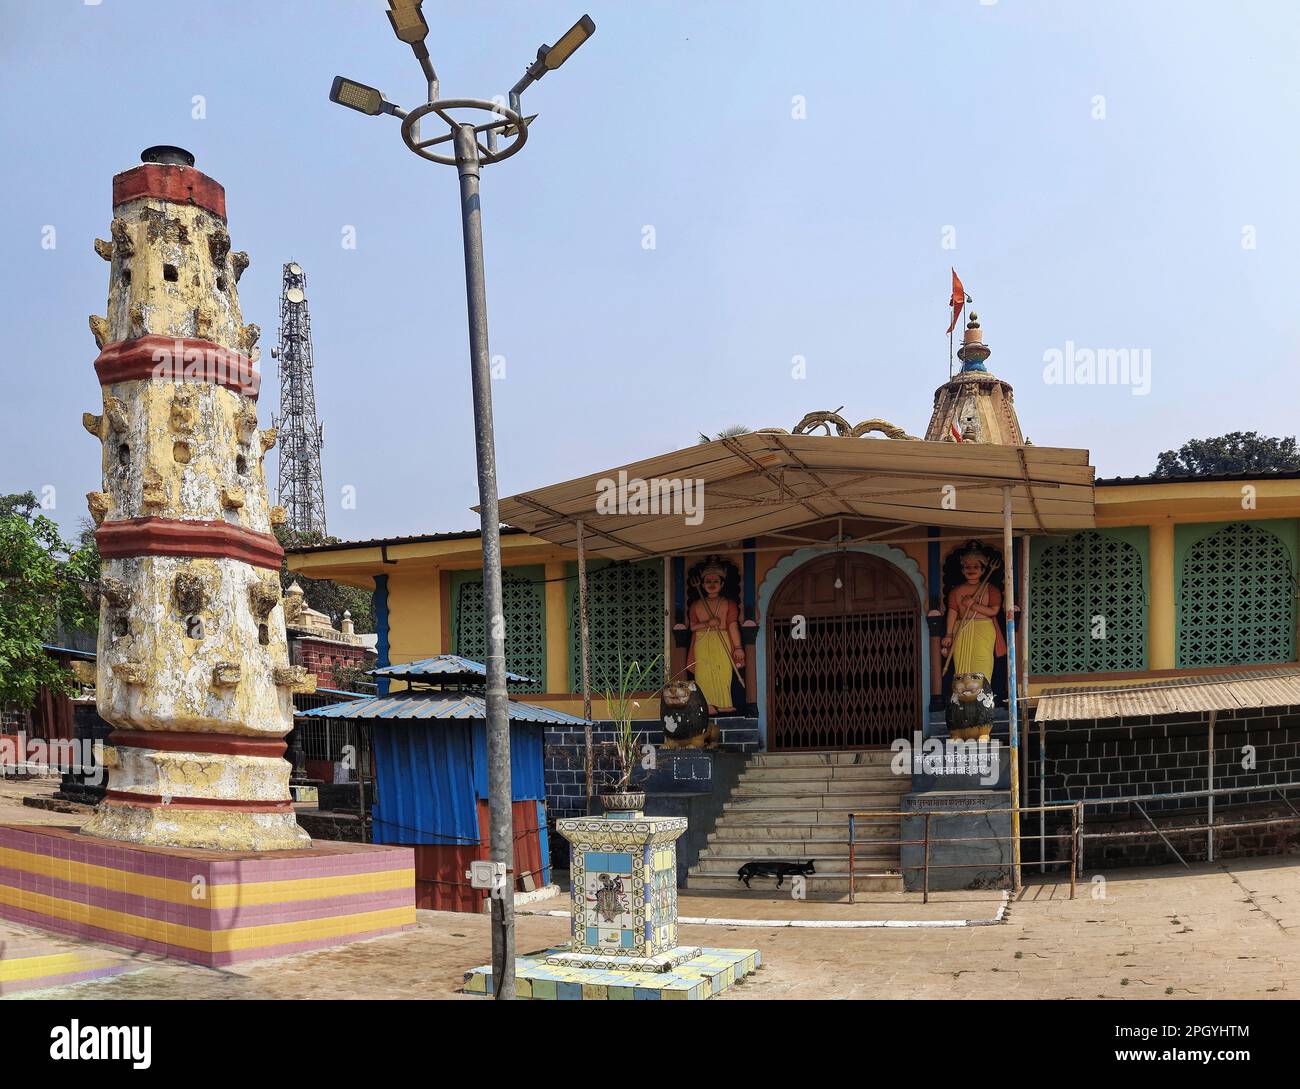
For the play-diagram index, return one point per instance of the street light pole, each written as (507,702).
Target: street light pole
(469,156)
(498,722)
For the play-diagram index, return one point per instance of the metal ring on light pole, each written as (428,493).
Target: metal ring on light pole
(487,155)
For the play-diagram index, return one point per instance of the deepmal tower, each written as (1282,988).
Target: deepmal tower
(193,669)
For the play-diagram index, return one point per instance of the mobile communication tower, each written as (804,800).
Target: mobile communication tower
(300,489)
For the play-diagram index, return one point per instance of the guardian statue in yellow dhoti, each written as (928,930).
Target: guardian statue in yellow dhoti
(717,653)
(974,637)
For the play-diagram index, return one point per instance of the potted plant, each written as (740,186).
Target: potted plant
(619,797)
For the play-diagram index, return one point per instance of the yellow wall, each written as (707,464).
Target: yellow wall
(557,629)
(414,615)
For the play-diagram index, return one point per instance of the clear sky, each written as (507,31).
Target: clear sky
(1114,174)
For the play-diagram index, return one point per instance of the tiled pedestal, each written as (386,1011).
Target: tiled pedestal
(623,873)
(709,972)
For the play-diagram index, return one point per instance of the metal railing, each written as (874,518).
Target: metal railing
(1076,837)
(927,840)
(1209,827)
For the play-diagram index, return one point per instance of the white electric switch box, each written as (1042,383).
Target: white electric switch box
(486,874)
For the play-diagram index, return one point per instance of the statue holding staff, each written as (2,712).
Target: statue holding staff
(974,639)
(716,653)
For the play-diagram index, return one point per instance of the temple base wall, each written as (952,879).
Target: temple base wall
(207,907)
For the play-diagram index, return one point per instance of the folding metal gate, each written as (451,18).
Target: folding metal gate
(844,655)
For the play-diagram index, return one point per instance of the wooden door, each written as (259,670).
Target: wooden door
(853,680)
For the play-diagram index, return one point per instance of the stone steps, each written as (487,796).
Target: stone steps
(820,773)
(821,817)
(816,885)
(826,866)
(821,803)
(863,757)
(795,807)
(793,849)
(803,788)
(787,833)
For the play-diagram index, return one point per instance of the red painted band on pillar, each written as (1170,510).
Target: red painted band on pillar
(174,183)
(178,359)
(175,741)
(155,801)
(149,536)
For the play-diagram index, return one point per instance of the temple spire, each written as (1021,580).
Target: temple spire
(974,405)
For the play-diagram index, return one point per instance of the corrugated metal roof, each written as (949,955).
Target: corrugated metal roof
(443,667)
(379,542)
(88,655)
(437,705)
(1197,478)
(1216,692)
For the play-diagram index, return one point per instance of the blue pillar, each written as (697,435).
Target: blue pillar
(749,587)
(934,590)
(934,572)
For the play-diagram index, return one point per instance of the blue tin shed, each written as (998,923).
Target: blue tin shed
(431,775)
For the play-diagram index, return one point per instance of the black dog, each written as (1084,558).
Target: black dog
(777,868)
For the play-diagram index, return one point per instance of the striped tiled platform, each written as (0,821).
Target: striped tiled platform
(703,976)
(210,907)
(32,960)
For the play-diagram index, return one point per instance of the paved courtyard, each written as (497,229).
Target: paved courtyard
(1223,931)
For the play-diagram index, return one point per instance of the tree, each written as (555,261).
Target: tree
(352,677)
(331,598)
(46,585)
(731,432)
(1238,452)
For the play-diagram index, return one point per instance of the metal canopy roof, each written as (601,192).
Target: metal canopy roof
(766,482)
(1218,692)
(404,706)
(443,669)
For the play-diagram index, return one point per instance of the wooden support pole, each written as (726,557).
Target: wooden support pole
(1209,785)
(1022,671)
(1013,710)
(925,889)
(1074,848)
(584,641)
(1042,795)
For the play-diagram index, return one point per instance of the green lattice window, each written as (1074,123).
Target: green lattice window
(523,595)
(1088,602)
(1236,593)
(625,609)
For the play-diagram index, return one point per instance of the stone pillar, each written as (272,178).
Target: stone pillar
(193,669)
(623,878)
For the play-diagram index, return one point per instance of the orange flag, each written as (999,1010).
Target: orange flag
(957,302)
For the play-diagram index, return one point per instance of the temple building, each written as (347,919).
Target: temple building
(822,587)
(330,654)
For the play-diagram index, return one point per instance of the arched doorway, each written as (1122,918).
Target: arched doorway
(849,674)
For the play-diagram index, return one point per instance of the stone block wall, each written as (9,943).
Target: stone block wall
(565,770)
(1088,760)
